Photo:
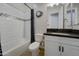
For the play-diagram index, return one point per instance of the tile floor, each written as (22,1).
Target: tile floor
(28,53)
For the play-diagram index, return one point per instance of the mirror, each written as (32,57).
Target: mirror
(67,16)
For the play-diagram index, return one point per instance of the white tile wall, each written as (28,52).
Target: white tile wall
(11,29)
(40,23)
(28,30)
(5,8)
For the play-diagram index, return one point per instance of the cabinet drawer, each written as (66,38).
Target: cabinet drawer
(70,41)
(65,40)
(53,38)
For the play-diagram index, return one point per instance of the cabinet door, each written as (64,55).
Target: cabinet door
(51,47)
(70,50)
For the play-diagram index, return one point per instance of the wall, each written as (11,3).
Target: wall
(40,23)
(11,33)
(12,30)
(27,30)
(21,9)
(13,11)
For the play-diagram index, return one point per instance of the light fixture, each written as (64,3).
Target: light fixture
(52,4)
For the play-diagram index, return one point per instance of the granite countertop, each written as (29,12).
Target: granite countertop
(60,34)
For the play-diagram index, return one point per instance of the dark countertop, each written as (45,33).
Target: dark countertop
(60,34)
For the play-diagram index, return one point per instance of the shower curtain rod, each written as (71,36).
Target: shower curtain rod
(28,6)
(7,15)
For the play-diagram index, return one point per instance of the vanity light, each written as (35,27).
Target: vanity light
(52,4)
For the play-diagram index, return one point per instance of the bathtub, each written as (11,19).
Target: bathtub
(17,50)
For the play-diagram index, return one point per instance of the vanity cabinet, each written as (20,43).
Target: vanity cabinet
(61,46)
(51,48)
(70,50)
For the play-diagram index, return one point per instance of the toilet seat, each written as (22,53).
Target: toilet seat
(34,46)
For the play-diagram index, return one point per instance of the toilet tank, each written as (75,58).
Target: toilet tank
(38,37)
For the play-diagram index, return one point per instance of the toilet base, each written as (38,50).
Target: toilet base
(34,48)
(35,52)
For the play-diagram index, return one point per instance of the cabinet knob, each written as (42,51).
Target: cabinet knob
(59,48)
(62,49)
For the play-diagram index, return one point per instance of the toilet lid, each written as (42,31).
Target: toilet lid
(34,45)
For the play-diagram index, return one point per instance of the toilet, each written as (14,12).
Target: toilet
(34,48)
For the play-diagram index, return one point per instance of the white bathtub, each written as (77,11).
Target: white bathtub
(17,50)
